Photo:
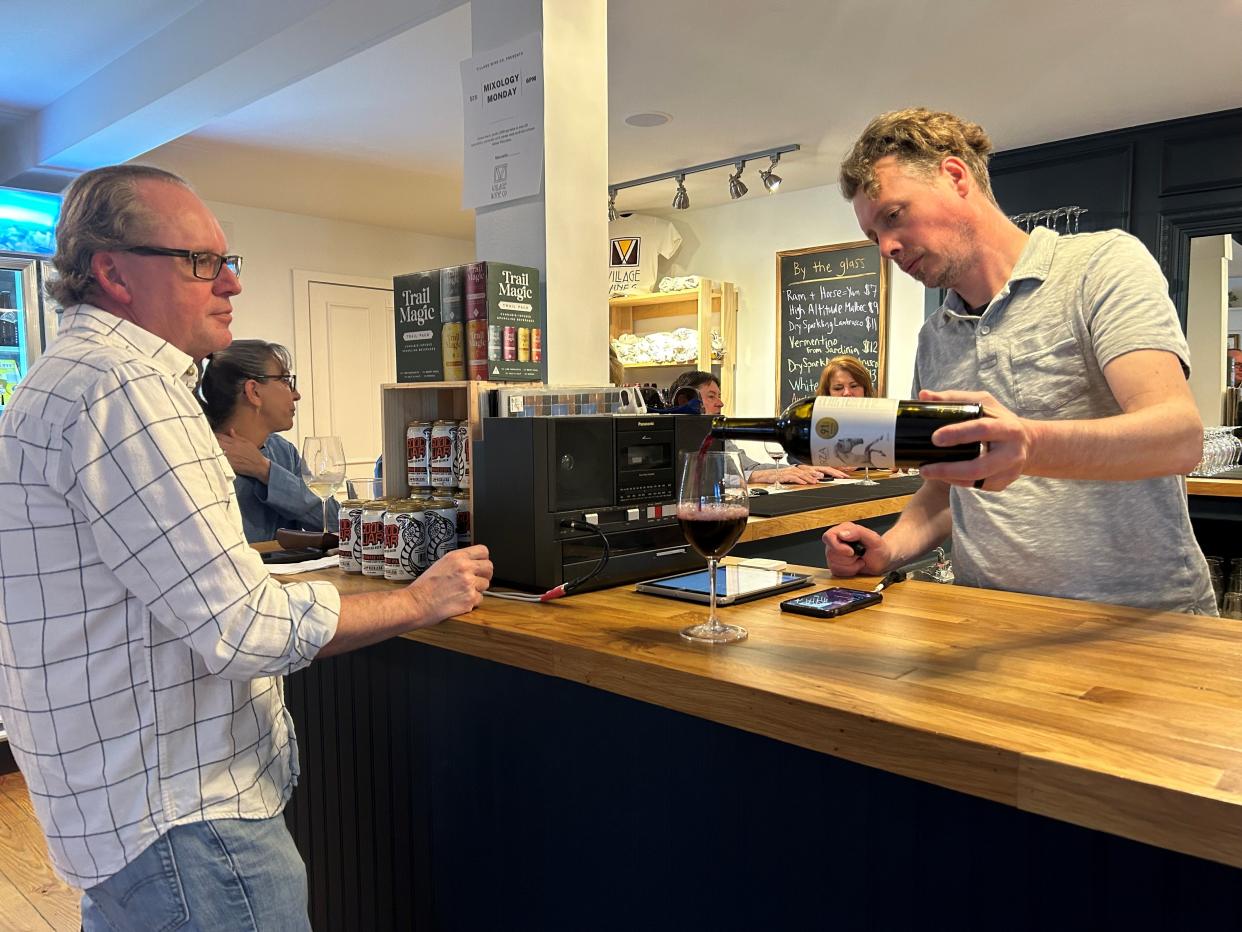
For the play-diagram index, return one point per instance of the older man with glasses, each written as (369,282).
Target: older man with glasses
(142,640)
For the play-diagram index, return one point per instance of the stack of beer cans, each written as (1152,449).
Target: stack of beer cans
(400,538)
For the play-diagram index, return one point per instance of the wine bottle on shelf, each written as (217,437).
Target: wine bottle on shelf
(879,433)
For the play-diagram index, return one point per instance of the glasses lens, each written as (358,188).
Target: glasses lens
(234,263)
(207,265)
(292,381)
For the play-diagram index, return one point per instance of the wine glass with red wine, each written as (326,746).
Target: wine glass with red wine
(712,510)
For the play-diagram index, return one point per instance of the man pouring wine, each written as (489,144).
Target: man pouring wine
(1073,349)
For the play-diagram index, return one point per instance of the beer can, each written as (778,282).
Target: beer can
(422,492)
(494,351)
(461,455)
(349,530)
(523,347)
(510,344)
(373,537)
(476,349)
(536,344)
(461,498)
(417,446)
(403,540)
(452,330)
(441,457)
(440,518)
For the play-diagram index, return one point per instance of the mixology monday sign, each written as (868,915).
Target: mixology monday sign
(502,94)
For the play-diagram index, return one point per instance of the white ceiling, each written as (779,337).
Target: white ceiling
(376,136)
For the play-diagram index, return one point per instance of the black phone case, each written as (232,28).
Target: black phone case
(799,606)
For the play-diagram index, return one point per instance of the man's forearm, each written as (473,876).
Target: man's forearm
(923,524)
(371,617)
(1161,440)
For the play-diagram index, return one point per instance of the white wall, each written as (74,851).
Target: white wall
(738,242)
(274,243)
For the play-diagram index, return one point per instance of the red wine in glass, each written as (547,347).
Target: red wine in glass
(713,528)
(712,508)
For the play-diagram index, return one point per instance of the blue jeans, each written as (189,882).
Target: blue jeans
(229,874)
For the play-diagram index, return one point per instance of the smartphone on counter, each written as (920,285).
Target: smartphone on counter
(829,603)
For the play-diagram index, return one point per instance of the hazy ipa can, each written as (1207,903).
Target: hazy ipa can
(476,320)
(441,521)
(461,498)
(402,538)
(442,435)
(452,332)
(461,455)
(349,530)
(373,537)
(417,446)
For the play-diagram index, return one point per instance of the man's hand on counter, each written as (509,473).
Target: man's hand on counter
(842,558)
(453,585)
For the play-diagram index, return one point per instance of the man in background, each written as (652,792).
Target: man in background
(142,639)
(1073,348)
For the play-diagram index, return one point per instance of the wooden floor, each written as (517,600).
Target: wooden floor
(31,896)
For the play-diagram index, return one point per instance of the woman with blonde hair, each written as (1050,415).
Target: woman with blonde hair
(847,376)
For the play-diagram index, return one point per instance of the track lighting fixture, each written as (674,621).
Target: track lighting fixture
(612,204)
(681,200)
(737,187)
(771,180)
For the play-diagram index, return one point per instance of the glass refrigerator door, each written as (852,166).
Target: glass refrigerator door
(20,321)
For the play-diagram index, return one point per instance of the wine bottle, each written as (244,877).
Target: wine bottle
(881,433)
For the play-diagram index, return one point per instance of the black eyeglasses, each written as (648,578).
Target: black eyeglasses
(205,265)
(288,378)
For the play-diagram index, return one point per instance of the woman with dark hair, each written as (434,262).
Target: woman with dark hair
(248,393)
(846,376)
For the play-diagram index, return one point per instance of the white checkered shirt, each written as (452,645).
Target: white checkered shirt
(141,639)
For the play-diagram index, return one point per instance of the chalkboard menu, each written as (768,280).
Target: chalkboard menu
(830,301)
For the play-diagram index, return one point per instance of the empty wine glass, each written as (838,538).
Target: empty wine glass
(323,468)
(777,452)
(712,508)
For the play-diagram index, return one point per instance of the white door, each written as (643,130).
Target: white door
(352,354)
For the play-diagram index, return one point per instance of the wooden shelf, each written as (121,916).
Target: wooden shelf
(698,309)
(403,402)
(656,297)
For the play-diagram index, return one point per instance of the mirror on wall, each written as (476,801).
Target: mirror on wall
(1214,326)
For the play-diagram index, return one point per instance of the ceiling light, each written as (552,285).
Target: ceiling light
(771,180)
(681,200)
(736,186)
(612,204)
(650,118)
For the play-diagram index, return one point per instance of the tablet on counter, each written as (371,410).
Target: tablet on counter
(733,584)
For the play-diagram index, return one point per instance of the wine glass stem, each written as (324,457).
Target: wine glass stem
(325,515)
(712,621)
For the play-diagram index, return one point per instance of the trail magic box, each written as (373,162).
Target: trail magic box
(477,321)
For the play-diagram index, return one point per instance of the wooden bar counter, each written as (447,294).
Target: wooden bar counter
(1123,722)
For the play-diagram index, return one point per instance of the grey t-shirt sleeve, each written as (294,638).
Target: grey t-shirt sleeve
(1125,300)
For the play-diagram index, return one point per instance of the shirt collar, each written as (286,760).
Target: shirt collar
(1034,264)
(162,354)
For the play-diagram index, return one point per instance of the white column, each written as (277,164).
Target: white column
(563,231)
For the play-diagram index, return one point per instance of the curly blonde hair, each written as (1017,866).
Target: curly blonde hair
(920,139)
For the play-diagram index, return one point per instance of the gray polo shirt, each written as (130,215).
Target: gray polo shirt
(1072,305)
